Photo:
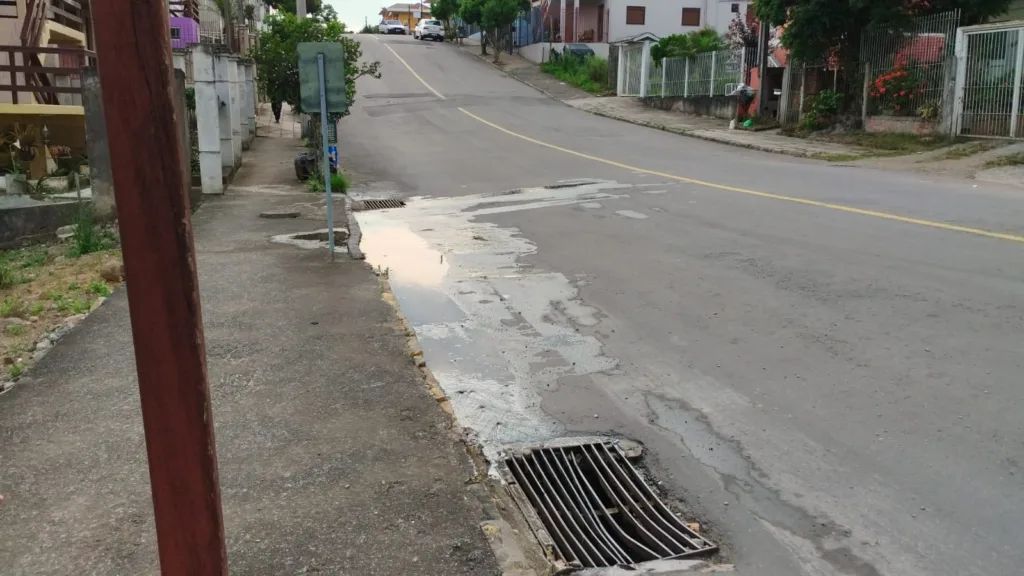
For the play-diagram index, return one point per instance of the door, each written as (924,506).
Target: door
(600,24)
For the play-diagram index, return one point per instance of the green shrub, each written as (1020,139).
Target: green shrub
(12,307)
(315,182)
(8,277)
(822,109)
(589,74)
(339,183)
(99,288)
(87,237)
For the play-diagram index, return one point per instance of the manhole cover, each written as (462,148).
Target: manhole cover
(376,204)
(596,509)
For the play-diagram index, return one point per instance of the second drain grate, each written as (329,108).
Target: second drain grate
(597,509)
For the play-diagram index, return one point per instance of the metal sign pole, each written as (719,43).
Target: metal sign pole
(327,158)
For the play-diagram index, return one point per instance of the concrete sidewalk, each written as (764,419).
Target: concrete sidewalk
(527,72)
(633,111)
(334,456)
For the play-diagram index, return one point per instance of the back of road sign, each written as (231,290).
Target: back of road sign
(334,76)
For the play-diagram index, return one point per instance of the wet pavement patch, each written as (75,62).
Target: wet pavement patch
(313,240)
(588,505)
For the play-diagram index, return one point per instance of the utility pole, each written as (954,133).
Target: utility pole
(300,8)
(163,295)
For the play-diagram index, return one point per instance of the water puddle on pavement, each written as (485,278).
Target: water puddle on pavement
(494,334)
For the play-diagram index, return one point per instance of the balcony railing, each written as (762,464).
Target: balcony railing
(69,13)
(48,75)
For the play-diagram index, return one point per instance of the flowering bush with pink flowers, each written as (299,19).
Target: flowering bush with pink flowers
(899,91)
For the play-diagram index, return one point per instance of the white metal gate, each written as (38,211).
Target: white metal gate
(633,60)
(990,62)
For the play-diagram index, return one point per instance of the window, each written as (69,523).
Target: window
(635,14)
(735,8)
(175,33)
(691,16)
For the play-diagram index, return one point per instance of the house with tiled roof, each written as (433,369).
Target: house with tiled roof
(408,14)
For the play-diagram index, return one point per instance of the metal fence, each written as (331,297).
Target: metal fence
(991,65)
(632,56)
(708,74)
(910,70)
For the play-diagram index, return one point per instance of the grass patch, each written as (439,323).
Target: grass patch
(891,144)
(881,144)
(15,371)
(8,277)
(969,149)
(830,157)
(339,183)
(589,74)
(87,237)
(1007,160)
(315,183)
(99,289)
(12,307)
(56,281)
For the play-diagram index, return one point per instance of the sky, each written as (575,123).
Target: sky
(355,12)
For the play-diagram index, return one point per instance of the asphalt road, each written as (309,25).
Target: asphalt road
(824,362)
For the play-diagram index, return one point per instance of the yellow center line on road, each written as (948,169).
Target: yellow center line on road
(413,72)
(793,199)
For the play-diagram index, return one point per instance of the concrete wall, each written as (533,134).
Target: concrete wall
(723,107)
(542,52)
(901,125)
(33,221)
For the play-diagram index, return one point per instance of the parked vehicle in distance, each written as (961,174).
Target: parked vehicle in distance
(429,30)
(392,27)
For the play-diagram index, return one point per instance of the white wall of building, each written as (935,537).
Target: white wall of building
(664,17)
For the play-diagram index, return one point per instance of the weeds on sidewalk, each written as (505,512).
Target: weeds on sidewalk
(880,144)
(590,74)
(1008,160)
(315,183)
(41,286)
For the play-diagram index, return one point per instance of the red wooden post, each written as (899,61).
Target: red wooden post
(134,53)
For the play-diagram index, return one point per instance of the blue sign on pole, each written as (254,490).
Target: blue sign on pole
(332,153)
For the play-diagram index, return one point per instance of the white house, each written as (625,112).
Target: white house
(598,22)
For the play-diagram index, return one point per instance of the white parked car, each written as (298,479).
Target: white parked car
(429,30)
(392,27)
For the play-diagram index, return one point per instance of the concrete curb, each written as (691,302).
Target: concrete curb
(705,137)
(355,235)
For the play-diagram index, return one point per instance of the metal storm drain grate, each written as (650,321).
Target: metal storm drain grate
(595,508)
(376,204)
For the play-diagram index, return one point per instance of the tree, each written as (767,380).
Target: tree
(742,33)
(498,16)
(688,45)
(815,29)
(312,6)
(277,56)
(447,11)
(471,12)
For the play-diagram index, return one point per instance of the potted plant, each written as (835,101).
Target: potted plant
(16,181)
(24,137)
